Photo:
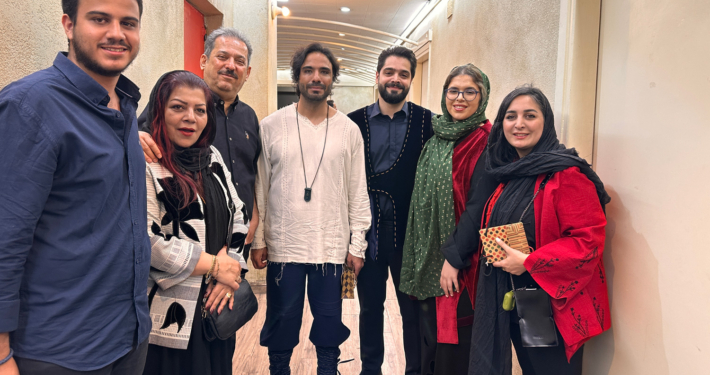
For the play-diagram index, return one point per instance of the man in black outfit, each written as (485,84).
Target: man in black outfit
(226,69)
(394,132)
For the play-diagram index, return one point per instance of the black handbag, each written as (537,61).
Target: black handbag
(537,328)
(225,325)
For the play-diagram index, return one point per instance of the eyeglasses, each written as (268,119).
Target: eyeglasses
(469,95)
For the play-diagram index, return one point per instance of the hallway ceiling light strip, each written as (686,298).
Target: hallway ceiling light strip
(334,38)
(397,37)
(343,64)
(344,56)
(417,20)
(335,32)
(374,53)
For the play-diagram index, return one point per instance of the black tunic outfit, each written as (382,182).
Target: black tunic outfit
(552,360)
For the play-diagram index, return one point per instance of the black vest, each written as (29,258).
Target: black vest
(397,182)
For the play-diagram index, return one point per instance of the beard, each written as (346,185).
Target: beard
(303,89)
(393,98)
(89,62)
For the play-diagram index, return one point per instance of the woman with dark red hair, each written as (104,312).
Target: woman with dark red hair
(197,229)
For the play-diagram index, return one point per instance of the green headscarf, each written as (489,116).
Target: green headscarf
(431,213)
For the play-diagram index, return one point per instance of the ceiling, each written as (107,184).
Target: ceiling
(358,48)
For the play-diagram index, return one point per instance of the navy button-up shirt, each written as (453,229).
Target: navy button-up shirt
(386,140)
(74,247)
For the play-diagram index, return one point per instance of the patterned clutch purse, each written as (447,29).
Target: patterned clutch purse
(347,280)
(512,234)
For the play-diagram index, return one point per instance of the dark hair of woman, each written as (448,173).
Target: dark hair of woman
(548,155)
(187,184)
(500,151)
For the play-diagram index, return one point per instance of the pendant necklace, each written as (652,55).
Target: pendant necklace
(307,193)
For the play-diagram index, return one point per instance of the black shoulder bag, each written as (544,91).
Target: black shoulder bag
(225,325)
(537,328)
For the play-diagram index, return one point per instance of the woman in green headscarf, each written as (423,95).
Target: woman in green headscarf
(451,184)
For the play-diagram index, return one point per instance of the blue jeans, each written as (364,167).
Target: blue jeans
(285,293)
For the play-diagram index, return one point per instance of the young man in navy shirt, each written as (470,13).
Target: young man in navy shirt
(74,248)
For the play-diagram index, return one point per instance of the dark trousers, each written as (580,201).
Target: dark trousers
(541,361)
(445,359)
(372,291)
(130,364)
(285,293)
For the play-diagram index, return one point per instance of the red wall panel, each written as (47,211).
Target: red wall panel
(194,38)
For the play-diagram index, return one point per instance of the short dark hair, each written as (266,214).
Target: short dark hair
(299,57)
(399,51)
(70,8)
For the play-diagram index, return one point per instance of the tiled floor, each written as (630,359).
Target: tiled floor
(251,359)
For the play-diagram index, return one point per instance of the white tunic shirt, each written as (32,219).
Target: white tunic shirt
(338,215)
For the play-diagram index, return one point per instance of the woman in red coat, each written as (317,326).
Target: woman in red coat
(560,201)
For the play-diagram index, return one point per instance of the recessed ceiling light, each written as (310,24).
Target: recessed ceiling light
(341,34)
(343,48)
(340,59)
(344,9)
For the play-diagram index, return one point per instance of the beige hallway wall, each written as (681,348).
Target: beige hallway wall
(350,98)
(652,133)
(31,34)
(513,43)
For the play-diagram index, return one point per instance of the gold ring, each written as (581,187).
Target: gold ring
(228,295)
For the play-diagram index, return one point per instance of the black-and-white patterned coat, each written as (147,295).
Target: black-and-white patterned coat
(177,238)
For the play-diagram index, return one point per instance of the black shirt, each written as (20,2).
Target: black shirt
(238,141)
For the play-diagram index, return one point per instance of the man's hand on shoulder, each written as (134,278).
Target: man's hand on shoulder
(150,149)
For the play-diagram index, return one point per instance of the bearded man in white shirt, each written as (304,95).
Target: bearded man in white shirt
(311,183)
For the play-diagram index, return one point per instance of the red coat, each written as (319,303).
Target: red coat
(569,234)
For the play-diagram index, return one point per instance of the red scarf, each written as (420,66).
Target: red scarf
(464,159)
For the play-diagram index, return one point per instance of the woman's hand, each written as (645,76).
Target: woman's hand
(514,262)
(227,270)
(449,276)
(219,294)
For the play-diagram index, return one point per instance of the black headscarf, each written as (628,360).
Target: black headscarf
(490,342)
(195,161)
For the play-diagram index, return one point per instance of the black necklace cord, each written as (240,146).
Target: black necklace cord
(307,193)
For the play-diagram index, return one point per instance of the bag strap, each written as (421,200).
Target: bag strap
(542,186)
